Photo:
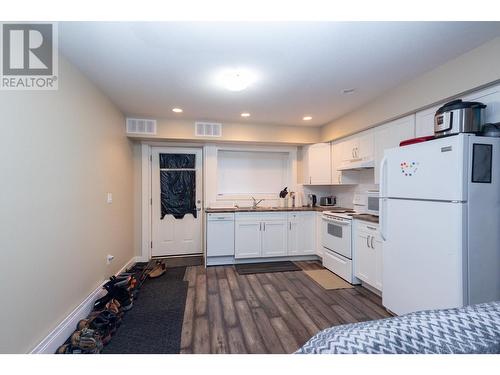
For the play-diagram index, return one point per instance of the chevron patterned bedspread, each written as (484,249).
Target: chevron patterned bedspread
(472,329)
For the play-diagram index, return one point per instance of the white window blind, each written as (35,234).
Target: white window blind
(251,172)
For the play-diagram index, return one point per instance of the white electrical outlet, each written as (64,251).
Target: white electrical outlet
(109,198)
(109,258)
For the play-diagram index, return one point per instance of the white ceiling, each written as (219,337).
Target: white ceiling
(149,68)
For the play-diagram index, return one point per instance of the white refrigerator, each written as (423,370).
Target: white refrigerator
(440,223)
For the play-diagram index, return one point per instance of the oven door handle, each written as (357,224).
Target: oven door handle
(336,221)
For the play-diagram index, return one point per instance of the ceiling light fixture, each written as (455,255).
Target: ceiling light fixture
(245,114)
(236,79)
(307,118)
(177,110)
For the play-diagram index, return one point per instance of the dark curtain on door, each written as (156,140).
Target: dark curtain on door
(178,193)
(177,161)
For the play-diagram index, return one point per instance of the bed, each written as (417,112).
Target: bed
(471,329)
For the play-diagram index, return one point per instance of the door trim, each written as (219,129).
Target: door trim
(146,197)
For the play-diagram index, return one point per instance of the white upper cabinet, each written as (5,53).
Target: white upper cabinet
(365,145)
(490,97)
(424,122)
(356,148)
(389,136)
(316,164)
(340,177)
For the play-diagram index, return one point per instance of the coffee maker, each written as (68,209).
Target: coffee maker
(311,200)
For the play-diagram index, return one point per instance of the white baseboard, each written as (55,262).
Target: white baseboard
(64,329)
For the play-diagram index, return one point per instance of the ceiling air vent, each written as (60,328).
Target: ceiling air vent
(207,129)
(141,126)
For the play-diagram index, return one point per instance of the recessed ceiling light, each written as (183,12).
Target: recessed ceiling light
(236,79)
(348,91)
(307,118)
(177,110)
(245,114)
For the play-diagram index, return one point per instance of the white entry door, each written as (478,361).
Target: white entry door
(177,201)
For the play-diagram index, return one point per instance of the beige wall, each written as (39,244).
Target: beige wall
(183,130)
(60,152)
(476,68)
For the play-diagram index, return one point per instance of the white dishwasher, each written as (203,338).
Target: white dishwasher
(220,238)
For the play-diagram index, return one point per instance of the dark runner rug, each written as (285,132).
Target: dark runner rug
(154,324)
(250,268)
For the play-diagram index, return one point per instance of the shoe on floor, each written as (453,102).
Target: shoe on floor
(159,269)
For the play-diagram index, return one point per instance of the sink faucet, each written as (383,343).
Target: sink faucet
(256,202)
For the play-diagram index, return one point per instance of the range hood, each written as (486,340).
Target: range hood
(355,165)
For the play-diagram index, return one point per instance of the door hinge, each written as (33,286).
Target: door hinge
(151,244)
(151,201)
(151,158)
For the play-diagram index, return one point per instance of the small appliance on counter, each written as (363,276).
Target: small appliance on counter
(490,130)
(311,200)
(327,201)
(458,117)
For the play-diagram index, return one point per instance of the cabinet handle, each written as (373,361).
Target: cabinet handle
(370,227)
(290,225)
(367,241)
(371,242)
(260,226)
(309,180)
(264,226)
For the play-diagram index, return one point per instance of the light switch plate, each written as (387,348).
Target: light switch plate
(109,198)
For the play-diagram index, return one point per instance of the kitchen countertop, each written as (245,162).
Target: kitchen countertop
(265,209)
(366,217)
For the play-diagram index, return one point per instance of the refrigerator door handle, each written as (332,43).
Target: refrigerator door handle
(383,177)
(383,218)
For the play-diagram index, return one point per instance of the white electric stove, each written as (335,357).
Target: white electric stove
(336,239)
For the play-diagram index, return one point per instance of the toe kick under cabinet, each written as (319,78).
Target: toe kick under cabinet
(274,234)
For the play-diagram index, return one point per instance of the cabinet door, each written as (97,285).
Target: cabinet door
(347,150)
(364,148)
(424,122)
(306,233)
(341,177)
(364,263)
(293,235)
(377,244)
(390,135)
(247,239)
(274,238)
(336,152)
(490,97)
(318,230)
(319,164)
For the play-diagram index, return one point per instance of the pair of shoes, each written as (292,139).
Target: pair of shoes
(118,291)
(105,323)
(87,340)
(68,349)
(159,269)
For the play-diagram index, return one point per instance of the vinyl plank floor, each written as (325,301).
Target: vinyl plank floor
(265,313)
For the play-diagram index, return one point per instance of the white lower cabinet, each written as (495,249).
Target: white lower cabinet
(301,233)
(274,234)
(368,253)
(247,239)
(274,238)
